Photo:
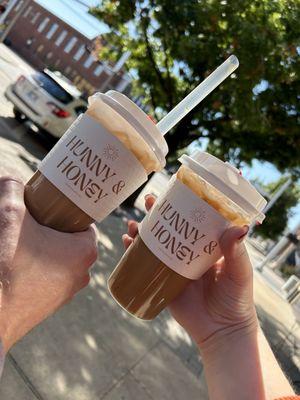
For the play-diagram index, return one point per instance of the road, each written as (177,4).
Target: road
(93,350)
(11,67)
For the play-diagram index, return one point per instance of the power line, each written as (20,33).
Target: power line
(82,3)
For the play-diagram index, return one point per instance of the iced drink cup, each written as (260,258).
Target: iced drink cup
(105,155)
(178,240)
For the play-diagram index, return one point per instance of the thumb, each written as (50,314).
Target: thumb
(237,262)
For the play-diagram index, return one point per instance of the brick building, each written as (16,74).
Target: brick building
(61,35)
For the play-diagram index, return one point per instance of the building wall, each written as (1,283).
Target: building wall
(44,40)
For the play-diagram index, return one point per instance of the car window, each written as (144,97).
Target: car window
(53,88)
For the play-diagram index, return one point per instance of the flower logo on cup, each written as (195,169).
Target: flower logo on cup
(197,215)
(111,152)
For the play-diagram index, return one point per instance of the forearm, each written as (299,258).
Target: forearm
(275,383)
(241,365)
(232,366)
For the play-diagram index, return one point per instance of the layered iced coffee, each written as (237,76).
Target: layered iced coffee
(179,238)
(104,157)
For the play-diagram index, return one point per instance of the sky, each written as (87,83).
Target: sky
(264,171)
(76,14)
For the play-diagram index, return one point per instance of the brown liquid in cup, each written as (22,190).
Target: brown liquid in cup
(141,283)
(50,207)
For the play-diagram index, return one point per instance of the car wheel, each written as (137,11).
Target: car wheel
(18,115)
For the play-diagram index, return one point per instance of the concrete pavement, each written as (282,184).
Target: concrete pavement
(91,349)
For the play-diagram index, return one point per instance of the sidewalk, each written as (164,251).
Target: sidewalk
(93,350)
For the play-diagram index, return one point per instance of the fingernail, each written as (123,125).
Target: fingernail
(246,230)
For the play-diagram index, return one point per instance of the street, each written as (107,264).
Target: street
(91,349)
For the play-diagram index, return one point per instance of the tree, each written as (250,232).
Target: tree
(175,44)
(277,217)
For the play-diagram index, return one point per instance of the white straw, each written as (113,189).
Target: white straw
(198,94)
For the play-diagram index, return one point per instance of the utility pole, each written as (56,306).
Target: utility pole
(14,20)
(278,249)
(277,194)
(273,200)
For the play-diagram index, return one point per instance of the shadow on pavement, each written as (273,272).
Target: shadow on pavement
(37,143)
(284,344)
(90,345)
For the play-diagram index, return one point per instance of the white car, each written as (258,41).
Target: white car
(48,99)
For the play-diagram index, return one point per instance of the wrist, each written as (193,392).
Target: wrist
(232,364)
(229,337)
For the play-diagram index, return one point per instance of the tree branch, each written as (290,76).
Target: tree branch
(152,59)
(170,91)
(154,105)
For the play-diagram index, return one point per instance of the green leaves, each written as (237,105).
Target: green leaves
(175,44)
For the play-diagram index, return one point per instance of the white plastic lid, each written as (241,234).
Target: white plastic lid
(139,120)
(228,180)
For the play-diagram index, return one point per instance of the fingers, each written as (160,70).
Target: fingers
(149,201)
(83,246)
(89,234)
(237,262)
(132,228)
(127,240)
(132,231)
(11,191)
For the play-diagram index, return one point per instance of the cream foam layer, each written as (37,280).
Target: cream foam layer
(121,129)
(227,208)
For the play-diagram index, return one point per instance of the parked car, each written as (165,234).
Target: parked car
(48,99)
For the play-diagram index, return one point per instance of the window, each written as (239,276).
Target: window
(98,70)
(108,70)
(49,55)
(122,85)
(40,48)
(61,38)
(51,31)
(79,53)
(70,44)
(68,70)
(43,24)
(27,12)
(89,61)
(52,87)
(18,6)
(35,17)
